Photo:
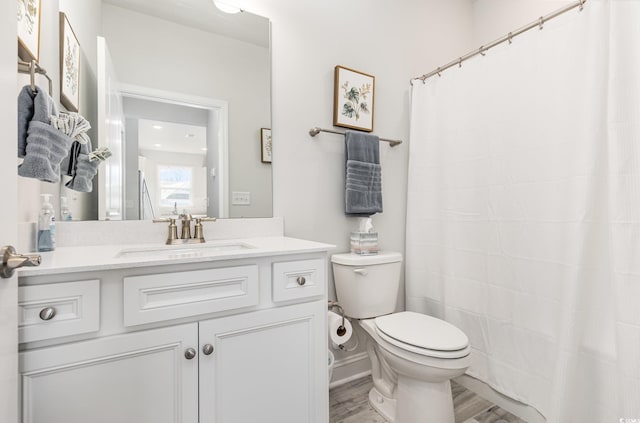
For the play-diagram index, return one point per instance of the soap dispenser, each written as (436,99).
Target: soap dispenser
(65,212)
(46,225)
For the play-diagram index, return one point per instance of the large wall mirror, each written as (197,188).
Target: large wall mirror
(180,93)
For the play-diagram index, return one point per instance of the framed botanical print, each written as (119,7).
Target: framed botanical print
(29,29)
(69,66)
(265,141)
(353,99)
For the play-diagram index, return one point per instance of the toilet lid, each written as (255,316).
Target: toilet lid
(422,331)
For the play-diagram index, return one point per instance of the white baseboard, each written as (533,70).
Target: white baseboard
(350,368)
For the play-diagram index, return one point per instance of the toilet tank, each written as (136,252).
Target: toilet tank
(367,286)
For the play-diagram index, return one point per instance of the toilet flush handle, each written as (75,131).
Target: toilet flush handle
(361,271)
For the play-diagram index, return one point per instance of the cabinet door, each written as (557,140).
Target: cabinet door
(141,377)
(268,366)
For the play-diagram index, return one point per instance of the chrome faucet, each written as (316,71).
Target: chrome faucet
(185,238)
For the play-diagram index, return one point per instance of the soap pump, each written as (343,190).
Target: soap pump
(46,225)
(65,212)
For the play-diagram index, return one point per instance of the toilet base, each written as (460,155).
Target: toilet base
(420,402)
(384,406)
(424,402)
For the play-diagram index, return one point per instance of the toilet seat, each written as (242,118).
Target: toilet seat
(422,334)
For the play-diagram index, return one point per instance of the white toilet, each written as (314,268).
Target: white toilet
(413,356)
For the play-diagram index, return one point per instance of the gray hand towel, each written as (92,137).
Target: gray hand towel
(46,148)
(84,173)
(32,106)
(363,181)
(25,115)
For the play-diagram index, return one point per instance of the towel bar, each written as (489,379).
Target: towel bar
(32,68)
(316,130)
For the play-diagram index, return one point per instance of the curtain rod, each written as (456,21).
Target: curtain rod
(509,37)
(316,130)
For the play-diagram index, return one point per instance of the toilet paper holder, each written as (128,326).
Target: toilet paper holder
(334,304)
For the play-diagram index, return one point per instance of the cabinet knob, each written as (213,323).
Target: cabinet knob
(207,349)
(47,313)
(301,280)
(189,353)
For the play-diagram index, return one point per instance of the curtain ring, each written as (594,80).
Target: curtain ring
(438,72)
(581,5)
(32,75)
(541,23)
(460,62)
(510,38)
(424,81)
(481,50)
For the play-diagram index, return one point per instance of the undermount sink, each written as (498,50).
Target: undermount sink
(183,251)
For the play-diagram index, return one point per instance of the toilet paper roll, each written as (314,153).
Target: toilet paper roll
(337,334)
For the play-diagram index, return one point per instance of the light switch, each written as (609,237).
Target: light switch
(240,198)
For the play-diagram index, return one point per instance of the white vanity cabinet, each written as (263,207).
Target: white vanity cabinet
(269,367)
(210,342)
(136,377)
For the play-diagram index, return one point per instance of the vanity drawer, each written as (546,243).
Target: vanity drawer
(59,309)
(167,296)
(294,280)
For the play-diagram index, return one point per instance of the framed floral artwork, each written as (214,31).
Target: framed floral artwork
(265,141)
(353,99)
(69,66)
(29,29)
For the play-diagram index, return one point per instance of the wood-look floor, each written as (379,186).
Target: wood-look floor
(350,404)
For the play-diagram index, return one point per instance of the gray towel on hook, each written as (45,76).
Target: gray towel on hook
(363,181)
(46,148)
(32,106)
(83,174)
(83,170)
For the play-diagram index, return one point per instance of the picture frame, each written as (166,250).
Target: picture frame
(29,12)
(353,99)
(69,65)
(266,145)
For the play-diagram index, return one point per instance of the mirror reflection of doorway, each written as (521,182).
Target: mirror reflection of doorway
(172,164)
(175,158)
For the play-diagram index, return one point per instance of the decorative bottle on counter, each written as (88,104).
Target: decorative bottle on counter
(46,226)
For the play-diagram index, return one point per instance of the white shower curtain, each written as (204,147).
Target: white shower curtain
(523,222)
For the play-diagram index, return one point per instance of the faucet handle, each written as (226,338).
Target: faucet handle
(173,229)
(197,228)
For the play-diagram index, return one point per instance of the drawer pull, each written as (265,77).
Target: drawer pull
(190,353)
(47,313)
(301,280)
(207,349)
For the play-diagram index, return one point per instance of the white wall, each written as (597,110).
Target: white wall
(494,18)
(393,41)
(205,65)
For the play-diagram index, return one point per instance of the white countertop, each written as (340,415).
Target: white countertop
(103,257)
